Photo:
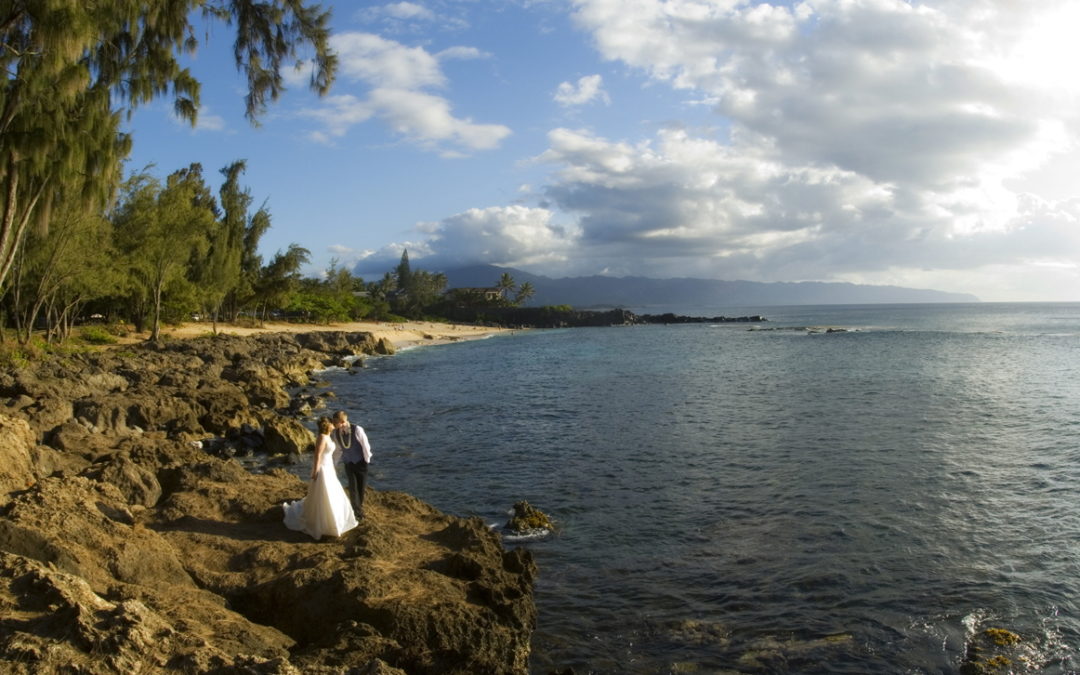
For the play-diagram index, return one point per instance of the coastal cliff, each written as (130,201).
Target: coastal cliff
(129,541)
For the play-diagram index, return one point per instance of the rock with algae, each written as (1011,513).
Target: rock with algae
(527,519)
(993,650)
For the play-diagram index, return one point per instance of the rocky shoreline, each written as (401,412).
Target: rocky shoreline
(130,542)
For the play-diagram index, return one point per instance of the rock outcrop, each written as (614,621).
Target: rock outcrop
(526,519)
(128,543)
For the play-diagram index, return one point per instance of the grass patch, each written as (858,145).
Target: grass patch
(97,335)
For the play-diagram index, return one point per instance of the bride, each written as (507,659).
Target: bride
(326,508)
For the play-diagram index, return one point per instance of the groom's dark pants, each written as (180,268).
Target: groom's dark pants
(356,472)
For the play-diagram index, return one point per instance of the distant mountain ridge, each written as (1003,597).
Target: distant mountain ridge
(644,292)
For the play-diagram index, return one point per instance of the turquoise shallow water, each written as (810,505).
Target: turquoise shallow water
(736,499)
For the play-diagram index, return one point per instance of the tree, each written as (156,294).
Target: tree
(60,270)
(425,288)
(278,281)
(250,260)
(232,262)
(524,292)
(380,290)
(403,272)
(506,284)
(160,229)
(73,67)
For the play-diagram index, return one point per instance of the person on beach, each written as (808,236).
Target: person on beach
(326,508)
(355,455)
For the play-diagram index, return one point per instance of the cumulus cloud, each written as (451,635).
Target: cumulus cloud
(408,10)
(385,63)
(689,206)
(501,235)
(864,136)
(872,141)
(398,79)
(589,88)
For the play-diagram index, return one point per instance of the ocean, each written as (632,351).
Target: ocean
(764,498)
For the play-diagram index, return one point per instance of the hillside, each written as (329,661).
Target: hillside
(663,294)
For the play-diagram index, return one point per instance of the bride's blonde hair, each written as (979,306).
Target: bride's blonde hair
(325,425)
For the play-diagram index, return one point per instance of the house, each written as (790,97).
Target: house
(476,294)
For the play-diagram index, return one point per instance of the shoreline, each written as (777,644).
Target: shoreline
(401,335)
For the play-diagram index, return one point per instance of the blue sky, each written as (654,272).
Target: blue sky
(926,144)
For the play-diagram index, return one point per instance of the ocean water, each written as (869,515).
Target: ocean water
(762,498)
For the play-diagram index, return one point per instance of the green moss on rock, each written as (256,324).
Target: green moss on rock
(527,517)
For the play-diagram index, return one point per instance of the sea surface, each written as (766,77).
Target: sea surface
(764,498)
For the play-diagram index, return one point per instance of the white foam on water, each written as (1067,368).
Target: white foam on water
(528,535)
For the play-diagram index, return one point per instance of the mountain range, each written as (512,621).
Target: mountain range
(659,295)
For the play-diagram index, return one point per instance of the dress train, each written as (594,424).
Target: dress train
(326,508)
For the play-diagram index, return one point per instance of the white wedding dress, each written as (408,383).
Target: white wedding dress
(326,509)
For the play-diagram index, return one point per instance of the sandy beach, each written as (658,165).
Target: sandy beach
(402,335)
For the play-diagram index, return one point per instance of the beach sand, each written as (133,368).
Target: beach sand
(401,335)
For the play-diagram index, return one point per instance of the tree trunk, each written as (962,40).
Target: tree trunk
(8,235)
(13,224)
(155,331)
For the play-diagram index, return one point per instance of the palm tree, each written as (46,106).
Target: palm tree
(506,284)
(525,291)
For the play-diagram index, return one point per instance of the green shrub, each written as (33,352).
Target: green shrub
(97,335)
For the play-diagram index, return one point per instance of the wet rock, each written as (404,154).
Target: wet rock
(528,519)
(700,633)
(992,651)
(774,654)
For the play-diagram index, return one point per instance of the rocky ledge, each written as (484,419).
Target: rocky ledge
(127,547)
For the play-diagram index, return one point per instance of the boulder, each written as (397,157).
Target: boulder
(993,650)
(86,528)
(17,470)
(385,346)
(284,435)
(138,484)
(338,342)
(527,518)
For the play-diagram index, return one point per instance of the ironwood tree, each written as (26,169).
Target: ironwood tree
(74,68)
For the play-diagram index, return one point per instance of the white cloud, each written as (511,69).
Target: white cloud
(413,17)
(408,10)
(462,54)
(872,141)
(397,77)
(865,137)
(589,88)
(386,63)
(428,120)
(501,235)
(691,206)
(338,114)
(682,205)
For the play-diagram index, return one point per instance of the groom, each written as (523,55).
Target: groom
(355,454)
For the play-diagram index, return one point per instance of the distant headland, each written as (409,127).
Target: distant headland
(669,294)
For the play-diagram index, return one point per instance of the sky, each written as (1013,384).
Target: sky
(924,144)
